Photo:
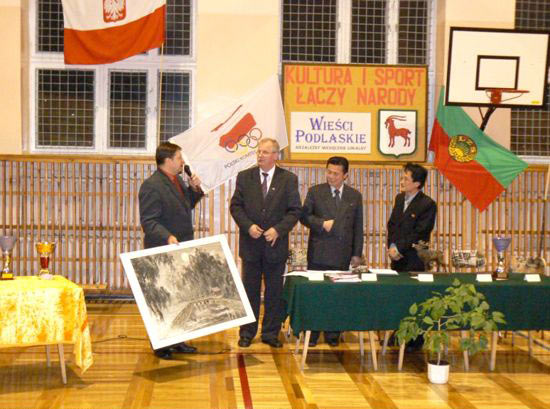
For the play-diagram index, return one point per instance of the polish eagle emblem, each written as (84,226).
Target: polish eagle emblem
(114,10)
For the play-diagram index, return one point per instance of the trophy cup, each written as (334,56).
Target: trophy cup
(7,243)
(501,244)
(45,249)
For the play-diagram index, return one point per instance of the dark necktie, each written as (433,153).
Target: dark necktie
(337,198)
(264,184)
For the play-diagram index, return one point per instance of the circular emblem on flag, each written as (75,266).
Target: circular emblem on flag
(462,148)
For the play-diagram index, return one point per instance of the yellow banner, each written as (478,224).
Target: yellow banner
(374,113)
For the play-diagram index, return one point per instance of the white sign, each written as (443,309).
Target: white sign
(330,132)
(532,278)
(484,278)
(426,278)
(369,277)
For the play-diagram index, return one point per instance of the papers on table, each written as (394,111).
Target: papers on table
(484,278)
(343,277)
(383,271)
(311,275)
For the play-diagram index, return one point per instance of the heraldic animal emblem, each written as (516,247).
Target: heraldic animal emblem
(393,131)
(114,10)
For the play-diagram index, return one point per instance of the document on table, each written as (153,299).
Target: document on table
(311,275)
(383,271)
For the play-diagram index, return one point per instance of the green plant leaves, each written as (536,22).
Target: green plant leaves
(460,307)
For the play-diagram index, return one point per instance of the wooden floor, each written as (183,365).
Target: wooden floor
(125,374)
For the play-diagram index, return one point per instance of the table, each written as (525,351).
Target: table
(380,305)
(45,312)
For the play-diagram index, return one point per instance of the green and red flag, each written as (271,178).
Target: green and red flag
(475,164)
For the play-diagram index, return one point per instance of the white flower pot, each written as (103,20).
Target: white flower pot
(438,373)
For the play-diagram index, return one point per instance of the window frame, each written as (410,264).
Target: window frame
(532,159)
(152,63)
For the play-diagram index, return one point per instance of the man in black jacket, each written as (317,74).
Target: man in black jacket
(265,205)
(333,211)
(412,219)
(165,210)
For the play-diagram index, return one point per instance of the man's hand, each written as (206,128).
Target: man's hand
(394,254)
(195,183)
(327,225)
(172,240)
(355,261)
(271,236)
(255,231)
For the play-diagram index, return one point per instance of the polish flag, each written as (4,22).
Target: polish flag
(105,31)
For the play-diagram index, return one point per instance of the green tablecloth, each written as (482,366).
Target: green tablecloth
(380,305)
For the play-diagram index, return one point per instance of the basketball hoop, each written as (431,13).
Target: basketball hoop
(495,94)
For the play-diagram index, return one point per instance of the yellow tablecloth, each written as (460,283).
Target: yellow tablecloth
(42,312)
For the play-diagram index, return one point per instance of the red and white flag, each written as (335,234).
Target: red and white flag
(224,144)
(105,31)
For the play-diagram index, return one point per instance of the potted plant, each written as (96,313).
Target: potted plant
(461,307)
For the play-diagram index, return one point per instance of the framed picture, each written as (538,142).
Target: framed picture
(187,290)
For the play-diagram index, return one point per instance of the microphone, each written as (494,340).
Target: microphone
(187,171)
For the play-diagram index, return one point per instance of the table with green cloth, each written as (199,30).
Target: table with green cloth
(380,305)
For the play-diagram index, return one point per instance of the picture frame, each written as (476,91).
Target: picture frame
(187,290)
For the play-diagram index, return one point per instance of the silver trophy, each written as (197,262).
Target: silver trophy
(501,244)
(7,243)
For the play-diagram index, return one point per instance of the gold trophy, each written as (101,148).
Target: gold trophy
(45,249)
(7,243)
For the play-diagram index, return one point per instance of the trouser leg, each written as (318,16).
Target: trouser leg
(274,305)
(252,281)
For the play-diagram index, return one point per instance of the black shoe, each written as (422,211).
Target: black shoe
(163,353)
(272,342)
(312,343)
(244,342)
(333,342)
(183,348)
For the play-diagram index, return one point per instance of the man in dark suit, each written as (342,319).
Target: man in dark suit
(333,212)
(265,205)
(412,219)
(165,206)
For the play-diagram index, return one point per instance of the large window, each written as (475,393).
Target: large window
(124,107)
(358,31)
(531,127)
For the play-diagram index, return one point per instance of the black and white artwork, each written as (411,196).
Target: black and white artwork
(187,290)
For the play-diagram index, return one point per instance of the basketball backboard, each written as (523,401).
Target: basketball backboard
(482,60)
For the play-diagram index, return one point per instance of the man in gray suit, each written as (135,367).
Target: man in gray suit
(333,212)
(265,205)
(165,206)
